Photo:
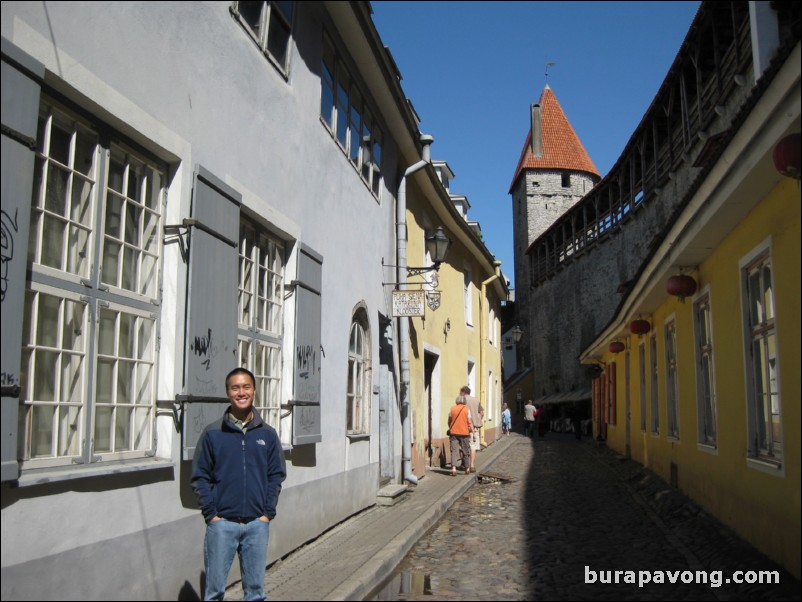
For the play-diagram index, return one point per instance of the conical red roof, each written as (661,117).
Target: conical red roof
(561,146)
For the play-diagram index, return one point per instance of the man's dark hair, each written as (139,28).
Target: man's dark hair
(466,390)
(240,370)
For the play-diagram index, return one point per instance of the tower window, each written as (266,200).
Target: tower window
(566,177)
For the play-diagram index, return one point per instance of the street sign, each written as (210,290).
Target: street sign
(408,303)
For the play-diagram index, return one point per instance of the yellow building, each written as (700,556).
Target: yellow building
(709,398)
(459,342)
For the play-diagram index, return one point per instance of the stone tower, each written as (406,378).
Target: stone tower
(553,173)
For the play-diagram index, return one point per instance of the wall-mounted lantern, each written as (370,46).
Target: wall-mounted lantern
(681,286)
(517,334)
(787,156)
(639,327)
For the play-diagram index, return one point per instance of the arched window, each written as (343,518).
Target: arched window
(357,400)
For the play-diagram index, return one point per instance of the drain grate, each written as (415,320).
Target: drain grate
(493,477)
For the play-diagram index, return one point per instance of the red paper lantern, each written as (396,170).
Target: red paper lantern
(788,157)
(639,327)
(616,347)
(681,286)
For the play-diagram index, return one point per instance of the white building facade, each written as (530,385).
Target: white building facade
(189,187)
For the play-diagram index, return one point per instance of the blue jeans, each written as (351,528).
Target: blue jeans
(224,539)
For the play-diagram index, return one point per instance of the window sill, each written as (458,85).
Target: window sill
(358,437)
(708,448)
(43,476)
(767,466)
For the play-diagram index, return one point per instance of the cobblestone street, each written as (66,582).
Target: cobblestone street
(566,506)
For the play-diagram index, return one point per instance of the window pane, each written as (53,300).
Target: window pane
(52,242)
(141,429)
(114,216)
(42,431)
(56,197)
(85,146)
(116,175)
(768,294)
(150,232)
(132,219)
(278,39)
(143,387)
(103,417)
(111,262)
(78,251)
(122,428)
(149,277)
(60,137)
(69,433)
(128,276)
(81,201)
(251,13)
(145,342)
(104,380)
(72,378)
(47,323)
(125,379)
(756,310)
(286,9)
(355,140)
(44,381)
(108,332)
(134,188)
(153,190)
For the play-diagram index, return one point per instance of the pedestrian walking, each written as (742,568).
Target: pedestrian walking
(506,420)
(530,413)
(460,429)
(237,475)
(477,417)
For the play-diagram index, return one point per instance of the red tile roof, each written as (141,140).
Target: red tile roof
(561,146)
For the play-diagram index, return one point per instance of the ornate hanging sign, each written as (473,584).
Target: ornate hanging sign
(408,303)
(433,299)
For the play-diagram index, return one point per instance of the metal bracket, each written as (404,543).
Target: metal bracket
(178,406)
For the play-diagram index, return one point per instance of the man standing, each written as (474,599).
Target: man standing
(237,475)
(478,417)
(530,411)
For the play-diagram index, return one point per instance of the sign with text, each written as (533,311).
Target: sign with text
(408,303)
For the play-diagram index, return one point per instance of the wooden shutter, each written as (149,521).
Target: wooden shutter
(20,113)
(308,350)
(211,321)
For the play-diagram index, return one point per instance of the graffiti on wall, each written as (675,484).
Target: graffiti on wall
(8,230)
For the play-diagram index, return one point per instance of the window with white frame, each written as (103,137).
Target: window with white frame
(705,386)
(642,367)
(763,393)
(261,314)
(467,293)
(270,25)
(357,401)
(344,109)
(655,396)
(88,370)
(672,385)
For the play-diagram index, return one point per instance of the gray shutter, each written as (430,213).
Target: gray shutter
(20,113)
(308,350)
(211,326)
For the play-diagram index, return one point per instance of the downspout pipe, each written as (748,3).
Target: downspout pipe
(403,322)
(483,336)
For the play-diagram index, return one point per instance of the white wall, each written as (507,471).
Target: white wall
(184,81)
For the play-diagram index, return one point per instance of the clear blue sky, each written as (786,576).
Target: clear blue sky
(472,69)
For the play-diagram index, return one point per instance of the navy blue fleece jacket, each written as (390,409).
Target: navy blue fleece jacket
(236,474)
